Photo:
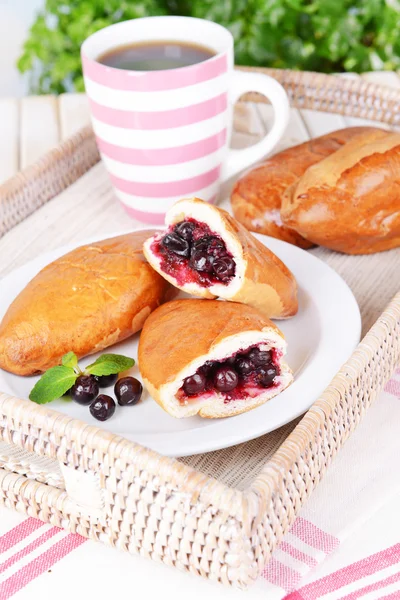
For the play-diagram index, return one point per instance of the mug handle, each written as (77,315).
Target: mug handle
(267,86)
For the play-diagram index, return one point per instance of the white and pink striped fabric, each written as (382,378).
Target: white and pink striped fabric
(164,135)
(344,545)
(160,140)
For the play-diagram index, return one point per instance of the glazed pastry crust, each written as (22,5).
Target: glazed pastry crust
(85,301)
(350,202)
(181,335)
(262,279)
(257,196)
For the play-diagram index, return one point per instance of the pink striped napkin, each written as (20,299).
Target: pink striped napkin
(363,478)
(345,544)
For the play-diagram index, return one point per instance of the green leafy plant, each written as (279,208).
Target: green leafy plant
(51,53)
(319,35)
(56,382)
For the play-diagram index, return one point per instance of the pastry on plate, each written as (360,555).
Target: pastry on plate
(350,201)
(206,252)
(257,196)
(211,358)
(89,299)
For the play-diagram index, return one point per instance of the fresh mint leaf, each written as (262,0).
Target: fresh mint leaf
(70,360)
(53,384)
(109,364)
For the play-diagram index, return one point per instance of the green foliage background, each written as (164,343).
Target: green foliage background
(317,35)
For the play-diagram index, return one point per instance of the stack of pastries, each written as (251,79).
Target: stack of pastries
(196,356)
(340,191)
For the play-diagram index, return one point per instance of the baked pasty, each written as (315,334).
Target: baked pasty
(91,298)
(257,196)
(207,253)
(350,201)
(215,359)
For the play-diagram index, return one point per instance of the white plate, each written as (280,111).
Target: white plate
(320,338)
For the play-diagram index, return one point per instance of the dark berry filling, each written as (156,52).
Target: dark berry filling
(195,384)
(225,378)
(245,374)
(192,253)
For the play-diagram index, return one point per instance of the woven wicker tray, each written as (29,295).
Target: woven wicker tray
(219,515)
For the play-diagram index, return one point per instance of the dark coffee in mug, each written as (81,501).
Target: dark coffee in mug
(155,56)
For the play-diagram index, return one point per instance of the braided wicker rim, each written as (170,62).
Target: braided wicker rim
(155,505)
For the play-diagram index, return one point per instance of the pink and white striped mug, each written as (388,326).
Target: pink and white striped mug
(164,135)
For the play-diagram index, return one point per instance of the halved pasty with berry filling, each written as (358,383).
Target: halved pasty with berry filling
(207,253)
(215,359)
